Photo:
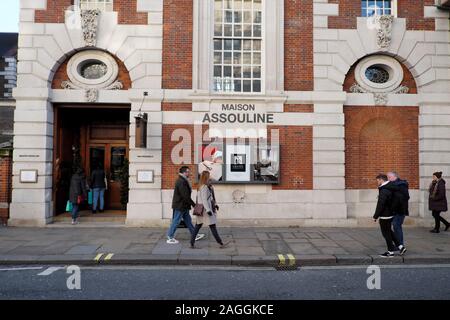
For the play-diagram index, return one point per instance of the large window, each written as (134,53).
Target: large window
(371,8)
(238,46)
(102,5)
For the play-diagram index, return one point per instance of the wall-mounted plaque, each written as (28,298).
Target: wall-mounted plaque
(145,176)
(28,176)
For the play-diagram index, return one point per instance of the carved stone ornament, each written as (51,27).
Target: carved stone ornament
(381,98)
(92,95)
(384,30)
(238,196)
(89,25)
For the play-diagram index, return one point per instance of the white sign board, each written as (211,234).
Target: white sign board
(28,176)
(238,163)
(145,176)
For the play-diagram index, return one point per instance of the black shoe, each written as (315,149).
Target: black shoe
(403,250)
(387,254)
(101,211)
(434,231)
(447,227)
(94,211)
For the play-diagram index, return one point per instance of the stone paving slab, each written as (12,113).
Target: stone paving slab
(248,246)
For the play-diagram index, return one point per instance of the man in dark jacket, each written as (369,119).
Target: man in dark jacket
(385,214)
(181,205)
(400,207)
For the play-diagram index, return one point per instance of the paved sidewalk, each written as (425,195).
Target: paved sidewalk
(248,247)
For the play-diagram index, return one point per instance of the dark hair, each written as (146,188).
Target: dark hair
(382,176)
(438,174)
(183,169)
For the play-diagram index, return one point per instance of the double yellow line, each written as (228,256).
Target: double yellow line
(99,256)
(282,260)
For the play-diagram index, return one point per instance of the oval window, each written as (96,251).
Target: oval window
(93,69)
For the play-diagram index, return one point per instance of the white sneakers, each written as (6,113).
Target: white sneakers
(172,241)
(200,236)
(74,222)
(175,241)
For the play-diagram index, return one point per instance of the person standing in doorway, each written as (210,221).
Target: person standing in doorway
(400,192)
(181,205)
(77,193)
(437,202)
(98,186)
(206,197)
(384,213)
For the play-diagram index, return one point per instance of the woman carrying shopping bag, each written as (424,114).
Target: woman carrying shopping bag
(206,209)
(77,193)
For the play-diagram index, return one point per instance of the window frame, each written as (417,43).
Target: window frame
(262,51)
(393,8)
(106,3)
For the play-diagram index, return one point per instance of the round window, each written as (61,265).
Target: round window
(94,69)
(377,74)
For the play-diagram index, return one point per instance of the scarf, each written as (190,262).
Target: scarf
(433,188)
(184,177)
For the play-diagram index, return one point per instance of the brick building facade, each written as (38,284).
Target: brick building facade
(341,91)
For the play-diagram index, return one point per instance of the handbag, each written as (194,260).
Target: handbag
(198,209)
(69,206)
(79,199)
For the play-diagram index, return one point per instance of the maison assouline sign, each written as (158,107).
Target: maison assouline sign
(237,113)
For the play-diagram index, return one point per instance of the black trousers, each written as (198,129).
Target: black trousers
(388,234)
(438,219)
(213,231)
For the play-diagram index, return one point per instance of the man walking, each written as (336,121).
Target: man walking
(181,205)
(400,189)
(384,213)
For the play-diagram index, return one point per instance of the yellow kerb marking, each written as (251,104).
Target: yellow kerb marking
(98,257)
(291,259)
(282,259)
(109,256)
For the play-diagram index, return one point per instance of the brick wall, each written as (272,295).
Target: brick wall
(381,139)
(298,52)
(5,186)
(127,12)
(168,106)
(177,44)
(300,108)
(61,75)
(408,79)
(412,10)
(296,157)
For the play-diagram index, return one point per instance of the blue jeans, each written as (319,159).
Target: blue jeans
(177,216)
(75,210)
(98,193)
(397,222)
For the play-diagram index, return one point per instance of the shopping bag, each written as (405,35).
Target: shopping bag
(90,196)
(69,206)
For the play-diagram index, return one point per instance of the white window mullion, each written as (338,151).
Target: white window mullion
(237,65)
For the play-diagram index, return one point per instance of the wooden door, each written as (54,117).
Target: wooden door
(106,146)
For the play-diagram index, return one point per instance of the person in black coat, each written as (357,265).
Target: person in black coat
(437,201)
(400,206)
(181,204)
(385,214)
(77,192)
(98,186)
